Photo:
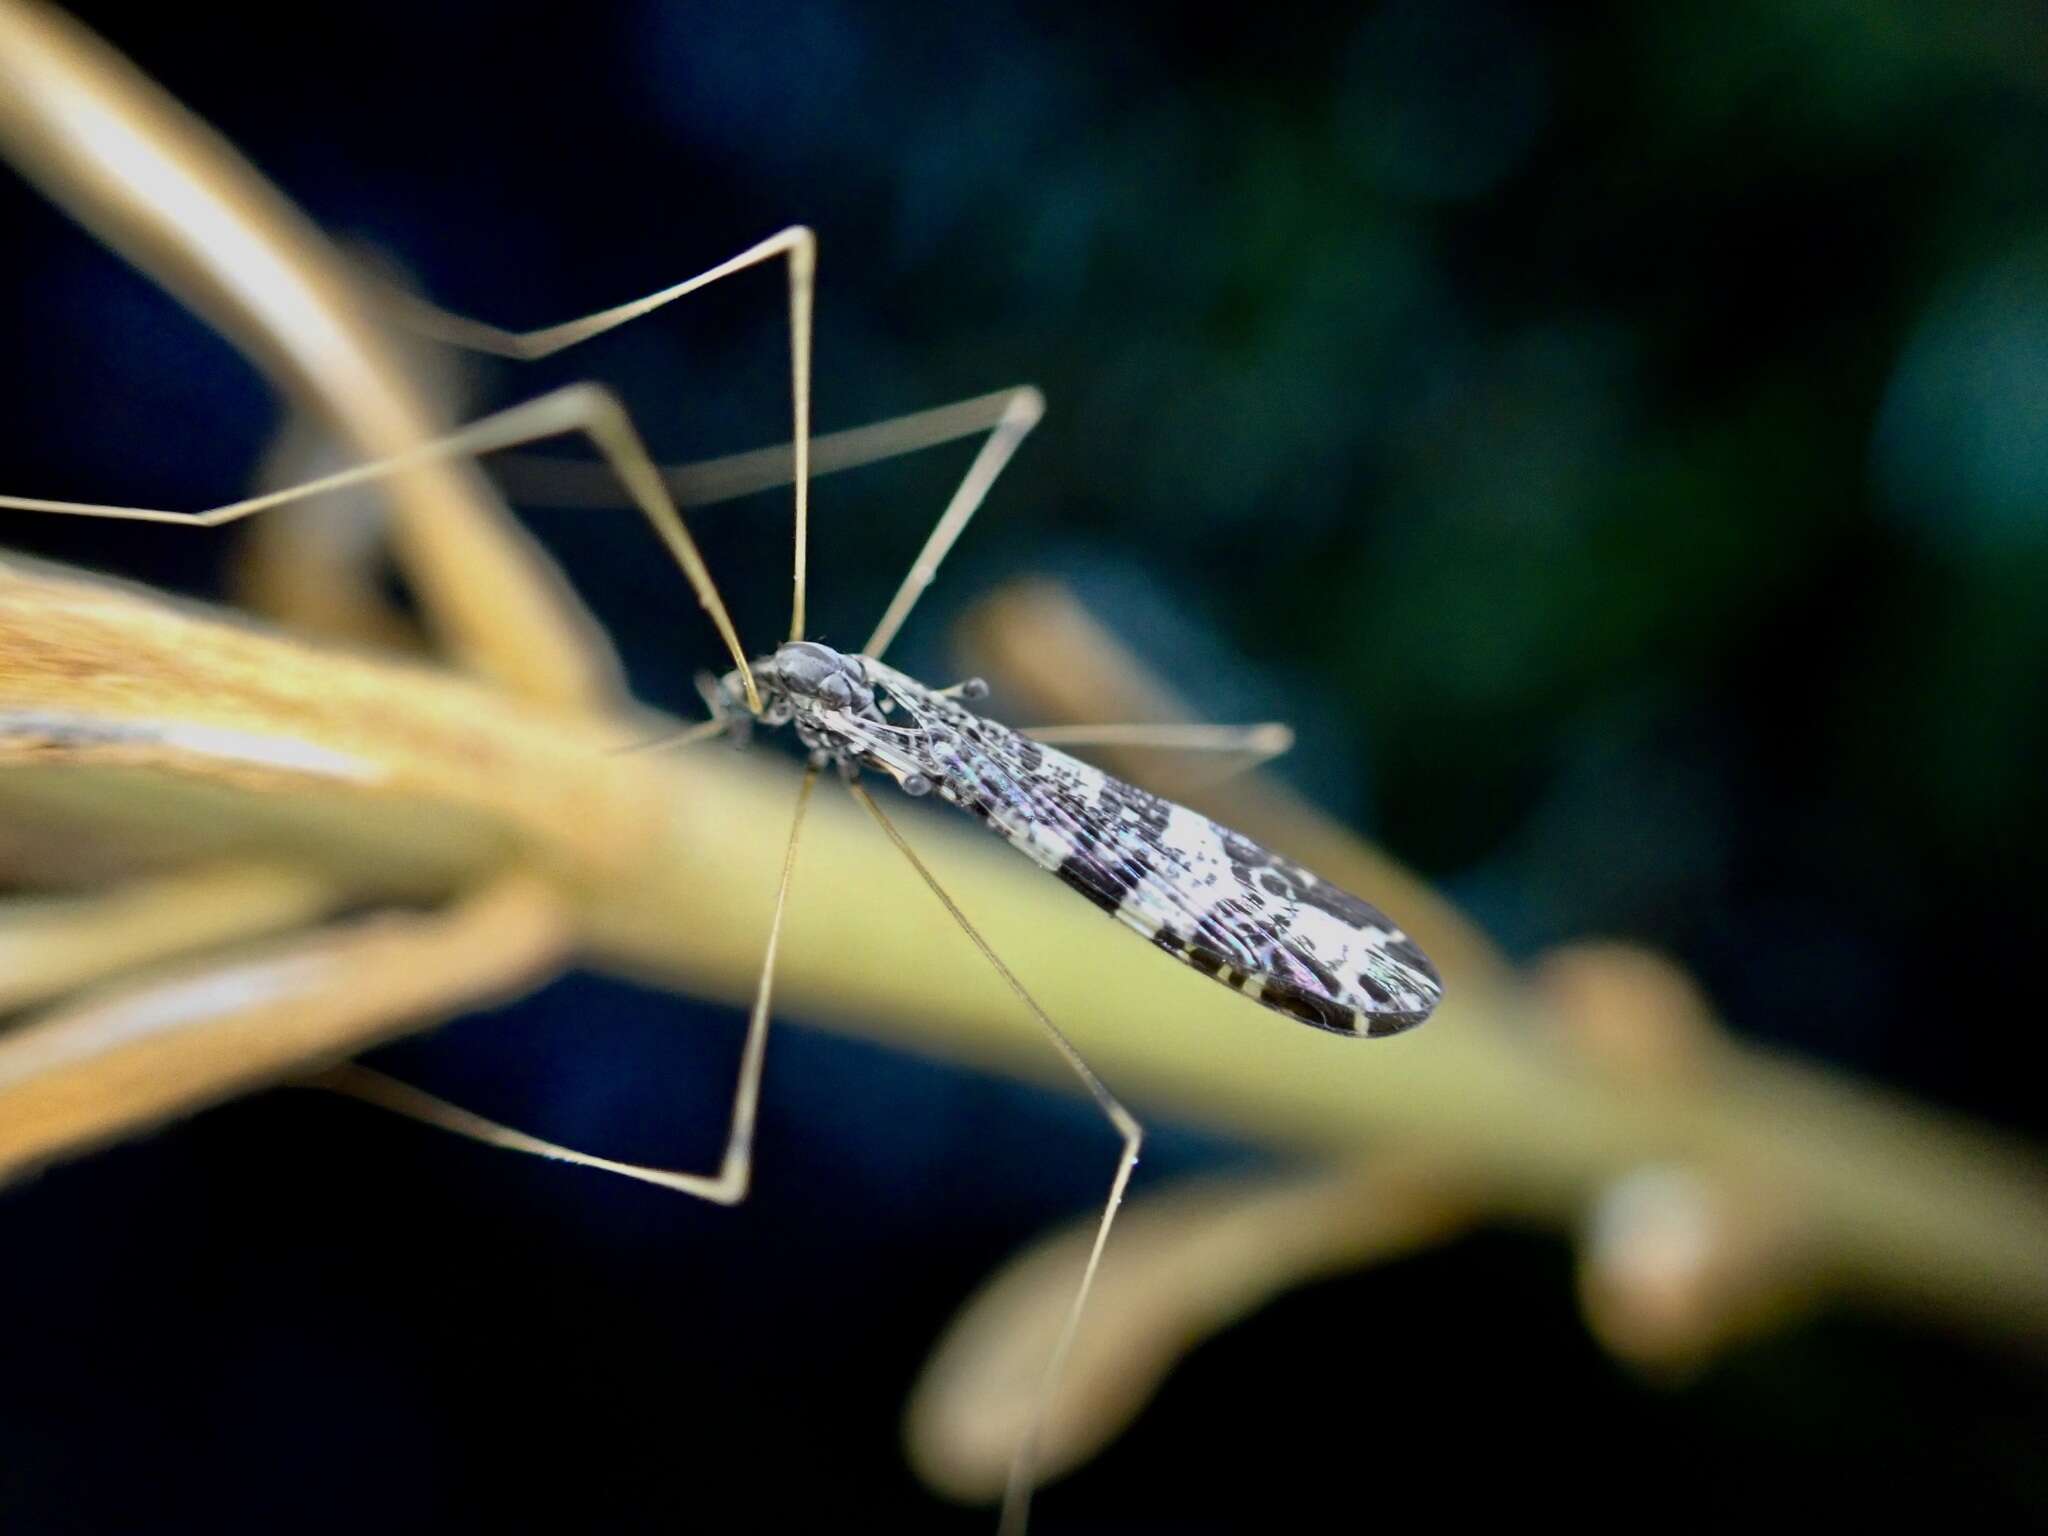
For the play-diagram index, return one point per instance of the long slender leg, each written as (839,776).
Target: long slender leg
(703,730)
(1017,1493)
(584,408)
(727,1187)
(1019,417)
(1264,741)
(798,244)
(1006,415)
(1019,412)
(570,483)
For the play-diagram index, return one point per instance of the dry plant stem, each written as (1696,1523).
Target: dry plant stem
(149,179)
(655,852)
(139,733)
(50,945)
(127,1056)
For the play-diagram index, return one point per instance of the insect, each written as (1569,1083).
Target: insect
(1233,910)
(1254,921)
(1204,894)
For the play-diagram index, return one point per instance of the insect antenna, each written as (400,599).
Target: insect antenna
(1017,1493)
(703,730)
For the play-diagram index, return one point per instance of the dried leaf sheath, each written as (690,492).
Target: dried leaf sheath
(126,1057)
(405,775)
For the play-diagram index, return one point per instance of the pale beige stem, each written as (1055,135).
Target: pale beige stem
(50,945)
(1191,1262)
(127,1057)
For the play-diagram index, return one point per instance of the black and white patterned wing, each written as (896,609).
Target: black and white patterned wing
(1207,895)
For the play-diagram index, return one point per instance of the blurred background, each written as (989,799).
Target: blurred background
(1613,436)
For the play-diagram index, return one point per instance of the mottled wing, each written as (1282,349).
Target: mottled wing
(1207,895)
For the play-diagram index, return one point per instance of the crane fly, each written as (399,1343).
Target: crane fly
(1203,893)
(1235,911)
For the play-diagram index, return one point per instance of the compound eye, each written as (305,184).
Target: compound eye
(835,692)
